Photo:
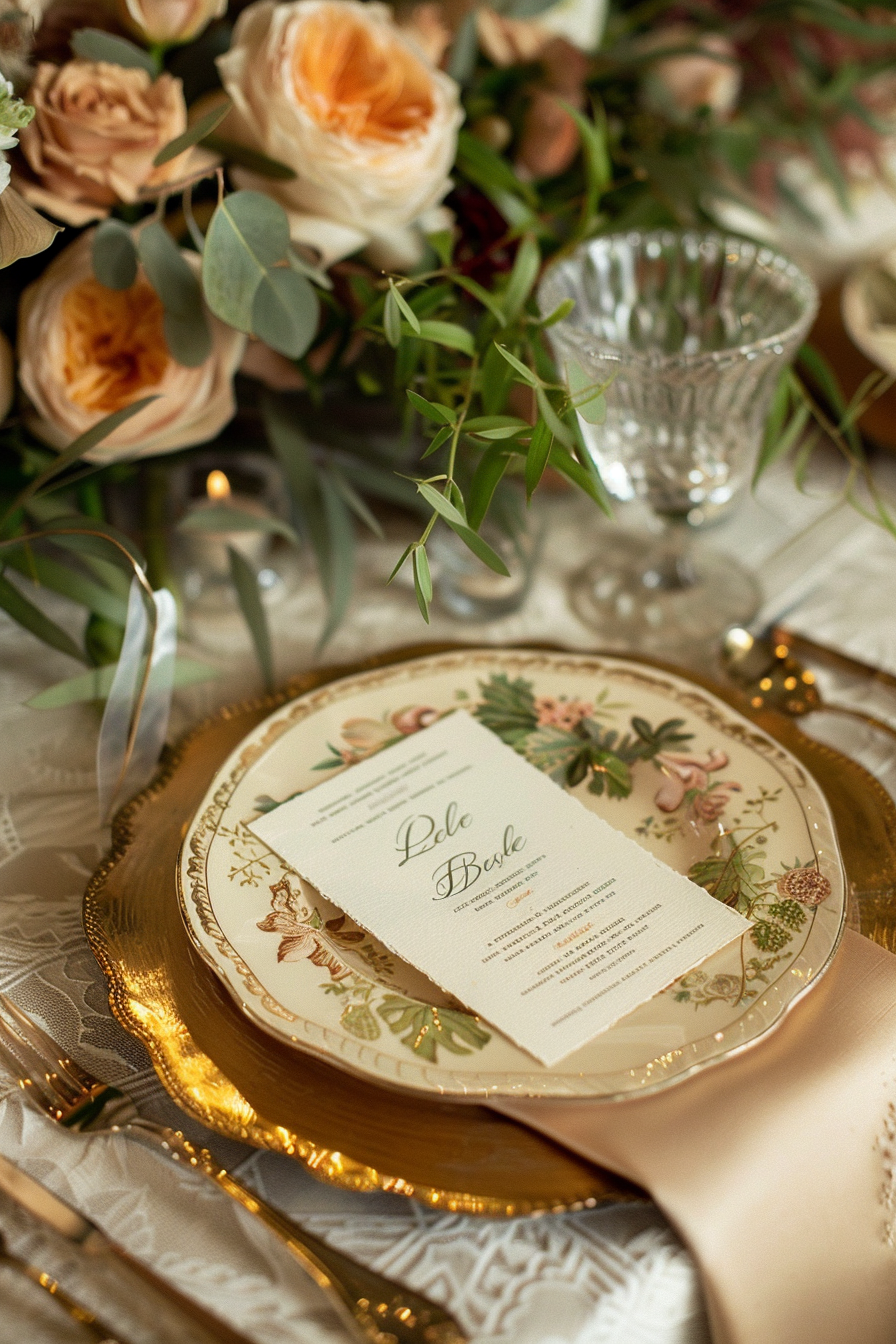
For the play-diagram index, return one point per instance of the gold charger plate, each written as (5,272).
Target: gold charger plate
(234,1078)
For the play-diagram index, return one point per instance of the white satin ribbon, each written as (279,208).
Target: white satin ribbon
(118,777)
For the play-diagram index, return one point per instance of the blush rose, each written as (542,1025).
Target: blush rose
(171,21)
(86,351)
(96,130)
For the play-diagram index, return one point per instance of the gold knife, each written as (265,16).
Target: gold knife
(40,1203)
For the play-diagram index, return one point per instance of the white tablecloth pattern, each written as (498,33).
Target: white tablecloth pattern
(611,1274)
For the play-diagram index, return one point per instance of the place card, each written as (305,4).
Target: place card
(472,865)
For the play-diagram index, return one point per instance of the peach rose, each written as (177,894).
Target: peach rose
(171,21)
(85,351)
(96,130)
(683,84)
(507,41)
(337,91)
(426,25)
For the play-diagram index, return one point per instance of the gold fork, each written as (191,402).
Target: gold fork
(92,1326)
(372,1305)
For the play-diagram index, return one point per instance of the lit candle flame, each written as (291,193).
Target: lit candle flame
(217,486)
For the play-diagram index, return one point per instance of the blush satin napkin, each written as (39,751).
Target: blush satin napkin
(778,1166)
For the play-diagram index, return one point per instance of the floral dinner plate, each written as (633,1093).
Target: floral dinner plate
(664,761)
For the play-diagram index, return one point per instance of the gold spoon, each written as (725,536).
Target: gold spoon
(774,678)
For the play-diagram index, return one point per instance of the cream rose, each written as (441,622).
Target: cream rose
(85,351)
(336,91)
(683,84)
(171,21)
(96,130)
(507,41)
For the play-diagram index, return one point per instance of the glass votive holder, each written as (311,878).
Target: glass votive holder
(249,486)
(467,588)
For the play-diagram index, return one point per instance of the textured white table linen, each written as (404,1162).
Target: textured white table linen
(614,1274)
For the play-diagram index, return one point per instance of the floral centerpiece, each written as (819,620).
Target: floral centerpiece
(266,211)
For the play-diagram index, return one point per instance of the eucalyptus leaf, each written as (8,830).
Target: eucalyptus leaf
(562,310)
(318,504)
(400,561)
(587,395)
(488,170)
(340,559)
(421,561)
(285,311)
(590,482)
(482,550)
(356,503)
(489,470)
(497,379)
(552,419)
(598,168)
(432,410)
(382,483)
(23,232)
(392,319)
(95,685)
(93,44)
(228,518)
(824,377)
(68,582)
(525,373)
(114,255)
(422,581)
(31,618)
(248,234)
(827,162)
(879,291)
(186,329)
(448,334)
(244,157)
(481,424)
(77,448)
(407,311)
(436,500)
(464,50)
(485,297)
(202,127)
(298,263)
(504,432)
(537,456)
(245,582)
(442,243)
(526,266)
(89,536)
(777,445)
(438,440)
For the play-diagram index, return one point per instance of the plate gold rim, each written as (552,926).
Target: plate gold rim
(241,1122)
(246,988)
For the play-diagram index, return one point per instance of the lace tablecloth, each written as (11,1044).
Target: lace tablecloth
(609,1274)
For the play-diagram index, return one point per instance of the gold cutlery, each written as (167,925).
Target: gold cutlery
(91,1324)
(372,1305)
(51,1212)
(770,673)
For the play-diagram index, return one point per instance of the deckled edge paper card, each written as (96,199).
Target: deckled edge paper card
(472,865)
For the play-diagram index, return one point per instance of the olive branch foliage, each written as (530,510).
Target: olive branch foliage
(466,361)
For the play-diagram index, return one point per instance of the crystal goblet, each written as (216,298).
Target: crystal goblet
(694,330)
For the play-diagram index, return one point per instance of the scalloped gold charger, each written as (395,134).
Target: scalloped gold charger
(238,1080)
(676,770)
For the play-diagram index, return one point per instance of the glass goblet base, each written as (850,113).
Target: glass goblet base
(662,595)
